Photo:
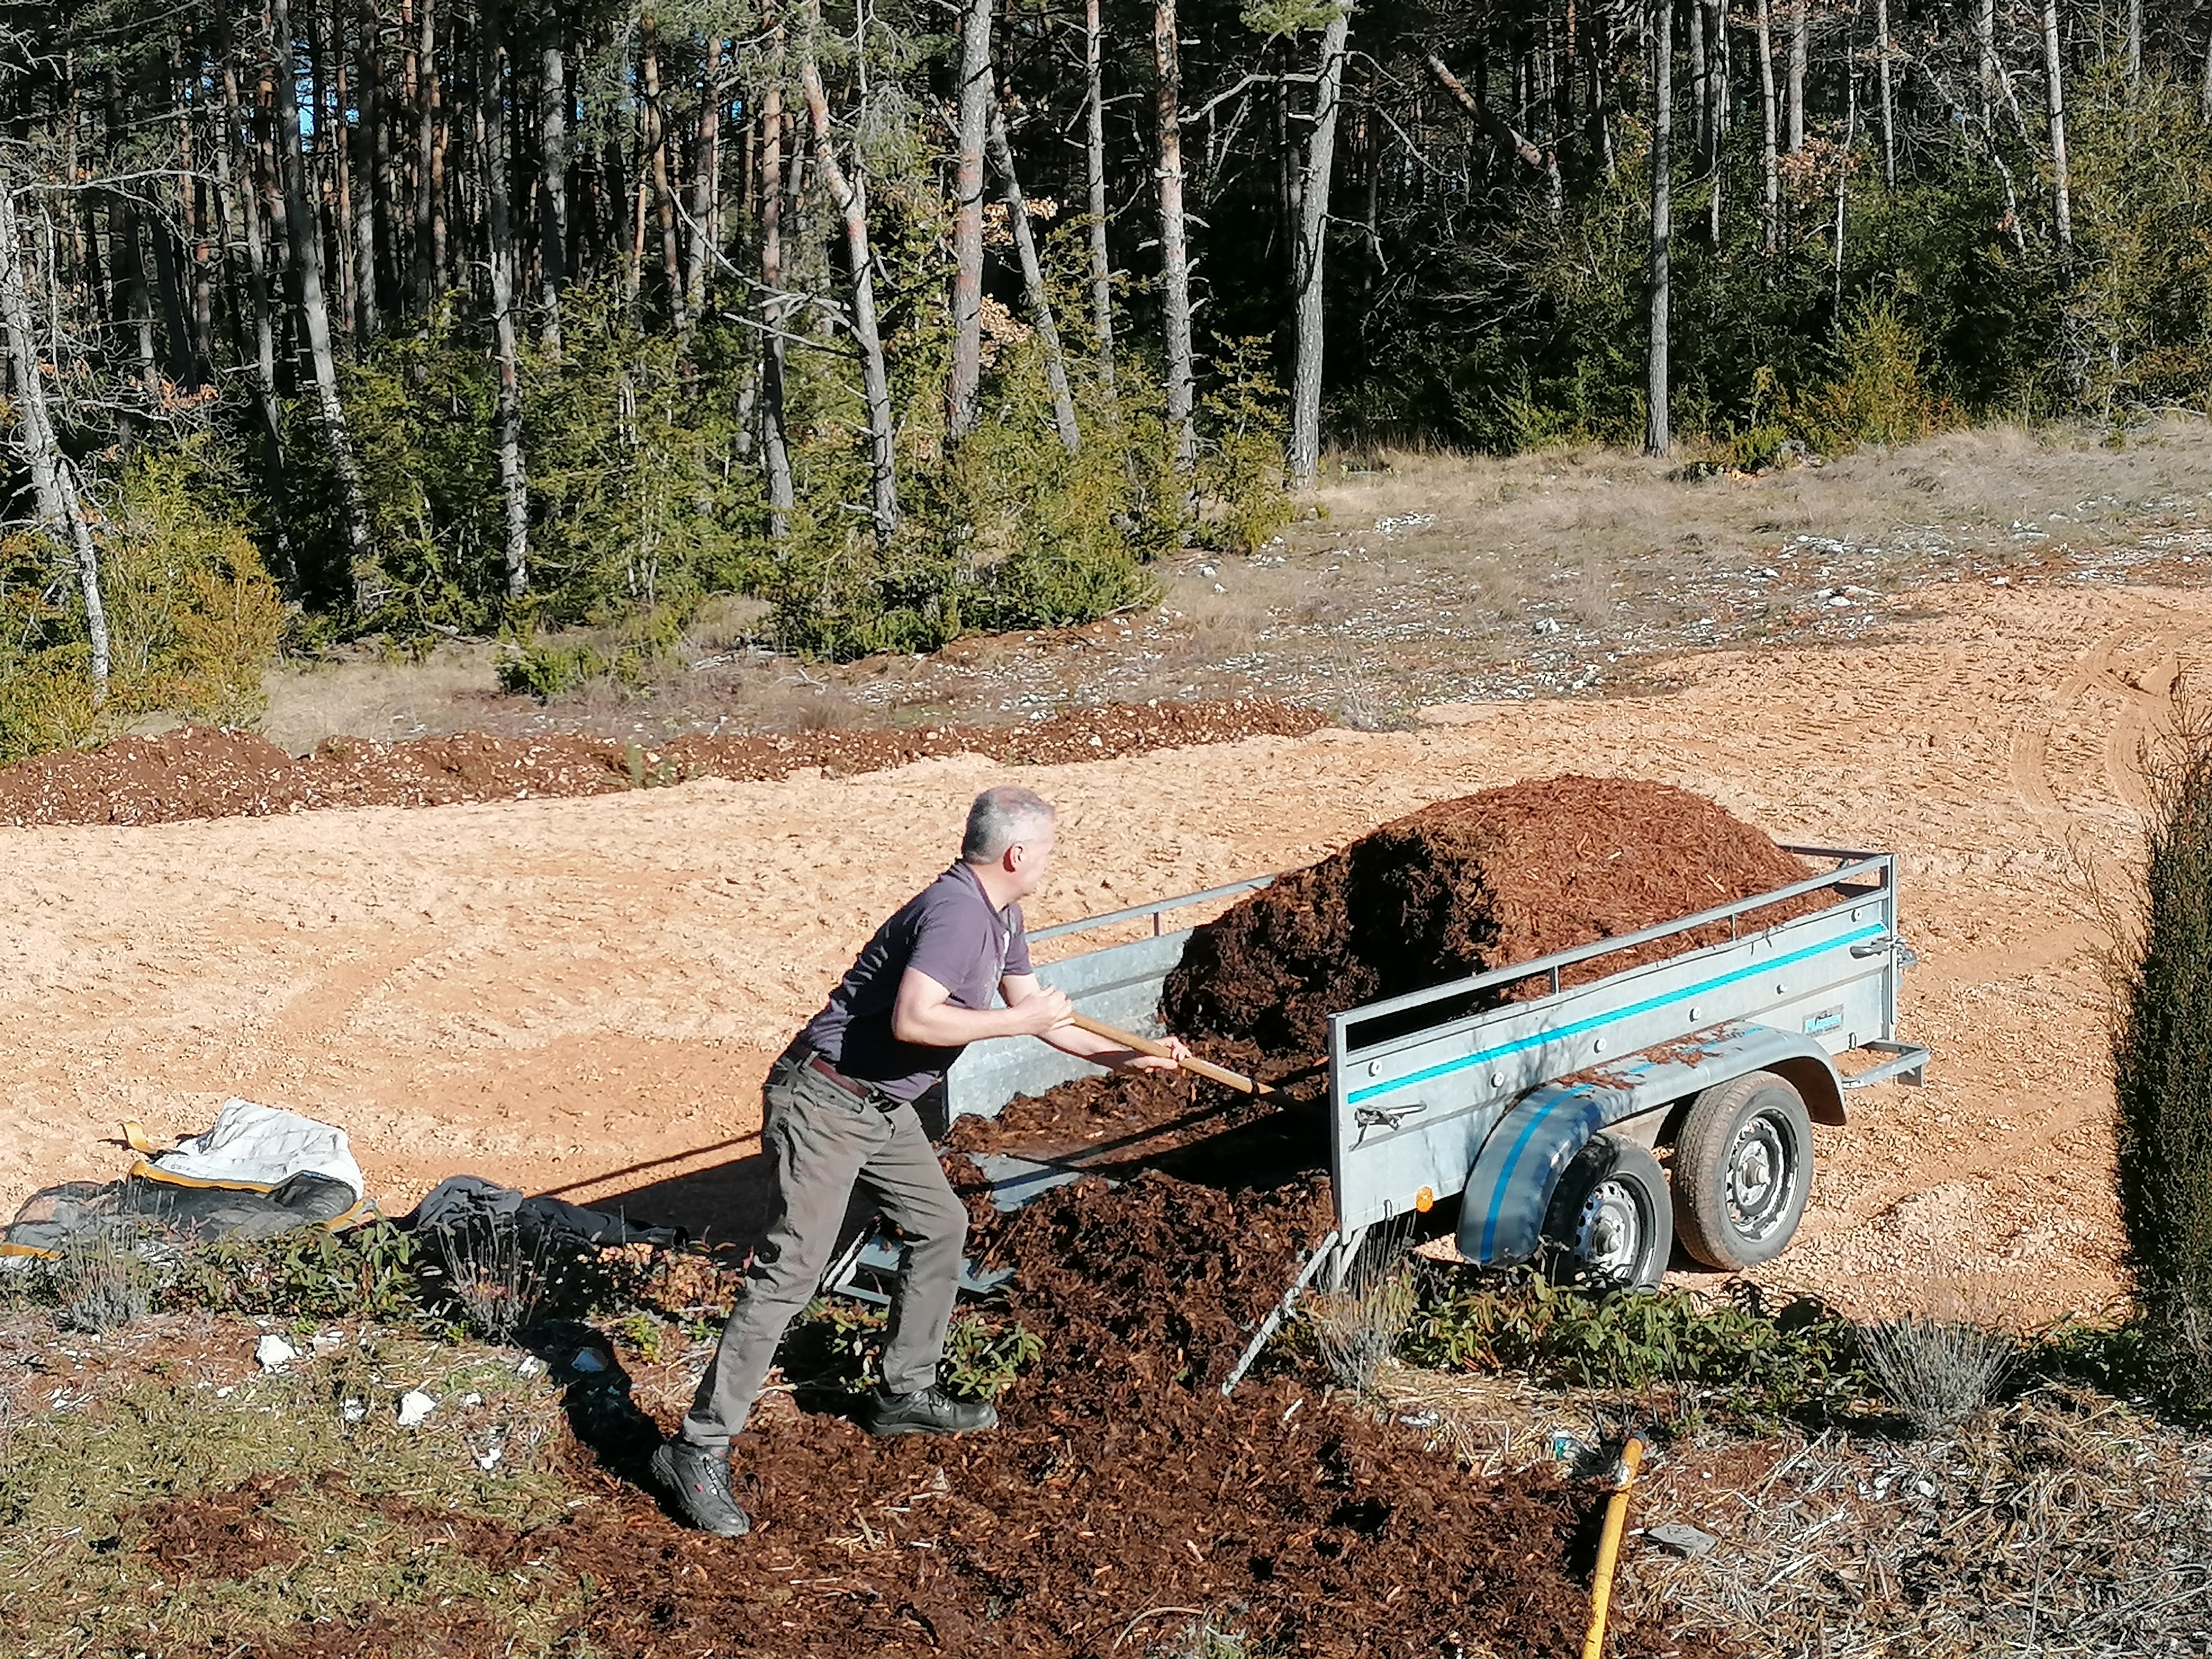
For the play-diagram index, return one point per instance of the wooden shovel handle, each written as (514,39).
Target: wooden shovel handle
(1145,1046)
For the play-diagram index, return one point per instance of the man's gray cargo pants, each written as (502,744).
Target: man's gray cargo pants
(824,1141)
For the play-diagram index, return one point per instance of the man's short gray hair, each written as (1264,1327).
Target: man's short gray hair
(999,818)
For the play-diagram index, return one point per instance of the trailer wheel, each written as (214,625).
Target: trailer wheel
(1611,1221)
(1743,1169)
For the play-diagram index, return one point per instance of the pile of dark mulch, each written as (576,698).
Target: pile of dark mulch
(1454,889)
(1465,886)
(196,772)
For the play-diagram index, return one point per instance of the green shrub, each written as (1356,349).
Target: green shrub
(193,618)
(2161,1056)
(1880,395)
(372,1272)
(1240,465)
(1800,1359)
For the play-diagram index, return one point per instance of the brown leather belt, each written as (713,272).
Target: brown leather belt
(814,1062)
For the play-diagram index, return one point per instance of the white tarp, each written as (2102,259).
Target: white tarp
(261,1146)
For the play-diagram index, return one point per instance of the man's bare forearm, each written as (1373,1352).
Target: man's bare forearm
(948,1027)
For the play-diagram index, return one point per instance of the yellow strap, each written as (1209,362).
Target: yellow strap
(25,1249)
(134,1134)
(146,1171)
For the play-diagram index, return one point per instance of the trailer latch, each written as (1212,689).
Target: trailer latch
(1906,956)
(1388,1117)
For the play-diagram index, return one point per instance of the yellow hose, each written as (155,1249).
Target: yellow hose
(1608,1549)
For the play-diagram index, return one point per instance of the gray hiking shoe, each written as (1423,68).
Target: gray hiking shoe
(926,1411)
(698,1478)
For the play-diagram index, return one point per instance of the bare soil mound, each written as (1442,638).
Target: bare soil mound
(1462,887)
(196,772)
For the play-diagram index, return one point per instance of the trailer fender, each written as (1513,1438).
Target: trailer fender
(1501,1218)
(1510,1189)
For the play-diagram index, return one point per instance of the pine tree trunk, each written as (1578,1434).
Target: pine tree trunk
(126,257)
(775,453)
(552,190)
(1986,40)
(1881,51)
(385,198)
(656,145)
(59,509)
(852,204)
(365,581)
(1843,173)
(1310,251)
(169,279)
(333,154)
(364,187)
(1657,437)
(1799,43)
(1094,156)
(491,155)
(1770,221)
(1700,100)
(1018,221)
(975,118)
(429,226)
(1175,247)
(245,201)
(704,243)
(193,252)
(2062,205)
(1717,89)
(2135,48)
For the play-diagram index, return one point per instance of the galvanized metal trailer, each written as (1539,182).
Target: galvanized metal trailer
(1543,1116)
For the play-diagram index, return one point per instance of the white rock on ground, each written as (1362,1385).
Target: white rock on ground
(274,1353)
(415,1408)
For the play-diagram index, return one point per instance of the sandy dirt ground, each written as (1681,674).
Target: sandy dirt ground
(581,995)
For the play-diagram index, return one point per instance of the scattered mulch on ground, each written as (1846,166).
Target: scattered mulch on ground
(1123,1500)
(1124,1497)
(1465,886)
(230,1534)
(198,772)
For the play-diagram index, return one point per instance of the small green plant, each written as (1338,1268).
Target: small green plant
(984,1356)
(837,1344)
(1356,1328)
(106,1278)
(1240,466)
(1937,1372)
(653,1340)
(1880,395)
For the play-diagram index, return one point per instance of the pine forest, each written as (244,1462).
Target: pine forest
(490,318)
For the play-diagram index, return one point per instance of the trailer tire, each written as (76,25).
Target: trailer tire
(1610,1221)
(1743,1169)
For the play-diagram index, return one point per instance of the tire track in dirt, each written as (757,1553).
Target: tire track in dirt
(2031,739)
(2144,693)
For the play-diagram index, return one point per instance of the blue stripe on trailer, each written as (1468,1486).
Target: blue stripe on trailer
(1591,1114)
(1539,1039)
